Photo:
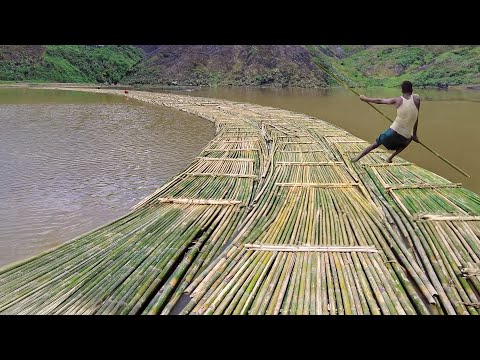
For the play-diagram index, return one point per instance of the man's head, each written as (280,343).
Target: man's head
(407,87)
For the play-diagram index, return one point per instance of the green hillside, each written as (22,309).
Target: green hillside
(67,63)
(387,65)
(242,65)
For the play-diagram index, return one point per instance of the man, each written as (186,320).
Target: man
(404,129)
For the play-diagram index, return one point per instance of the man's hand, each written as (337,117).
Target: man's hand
(415,138)
(363,98)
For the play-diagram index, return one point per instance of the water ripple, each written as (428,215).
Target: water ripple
(68,167)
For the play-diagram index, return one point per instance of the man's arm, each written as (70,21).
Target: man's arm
(415,127)
(391,101)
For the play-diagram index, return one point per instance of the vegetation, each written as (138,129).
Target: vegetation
(67,63)
(243,65)
(423,65)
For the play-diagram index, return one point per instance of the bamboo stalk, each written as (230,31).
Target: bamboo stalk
(198,201)
(309,248)
(321,185)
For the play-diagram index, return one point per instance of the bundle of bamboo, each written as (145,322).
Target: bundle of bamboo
(439,220)
(318,211)
(272,217)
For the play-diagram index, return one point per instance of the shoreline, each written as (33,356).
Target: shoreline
(146,87)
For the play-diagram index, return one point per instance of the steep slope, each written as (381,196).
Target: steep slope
(243,65)
(67,63)
(282,65)
(389,65)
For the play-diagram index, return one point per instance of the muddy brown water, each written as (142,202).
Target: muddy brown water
(73,161)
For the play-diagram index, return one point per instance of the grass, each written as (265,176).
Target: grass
(423,65)
(71,63)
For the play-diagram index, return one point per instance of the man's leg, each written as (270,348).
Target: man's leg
(366,151)
(398,151)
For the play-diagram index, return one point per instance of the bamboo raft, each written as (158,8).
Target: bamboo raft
(271,218)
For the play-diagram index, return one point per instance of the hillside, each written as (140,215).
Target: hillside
(285,65)
(67,63)
(281,65)
(243,65)
(389,65)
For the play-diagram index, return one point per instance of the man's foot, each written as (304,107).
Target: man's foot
(389,160)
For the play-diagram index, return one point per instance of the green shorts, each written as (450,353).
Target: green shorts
(392,140)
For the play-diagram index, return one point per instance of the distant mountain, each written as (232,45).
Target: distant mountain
(282,65)
(268,65)
(243,65)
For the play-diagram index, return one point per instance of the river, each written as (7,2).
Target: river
(73,161)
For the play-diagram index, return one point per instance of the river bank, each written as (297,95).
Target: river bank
(152,87)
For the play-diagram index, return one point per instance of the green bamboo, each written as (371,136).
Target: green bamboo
(145,261)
